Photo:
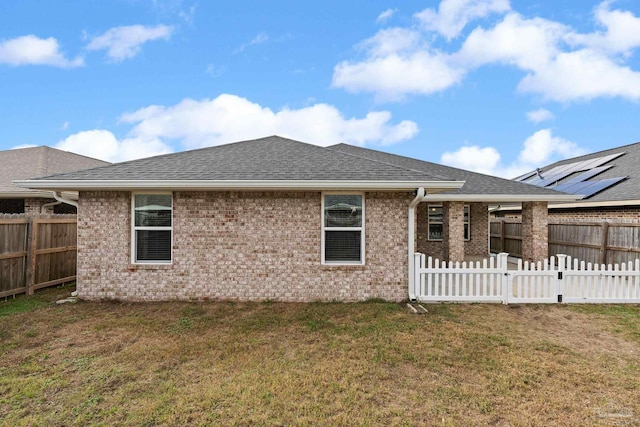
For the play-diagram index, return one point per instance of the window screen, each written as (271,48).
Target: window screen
(152,225)
(343,228)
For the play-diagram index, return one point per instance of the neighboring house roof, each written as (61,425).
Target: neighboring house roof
(606,178)
(280,163)
(23,163)
(475,183)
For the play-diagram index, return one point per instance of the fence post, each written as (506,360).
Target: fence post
(502,235)
(32,244)
(503,267)
(604,242)
(562,264)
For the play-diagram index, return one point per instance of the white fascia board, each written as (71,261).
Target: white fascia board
(500,198)
(29,194)
(37,194)
(610,203)
(128,185)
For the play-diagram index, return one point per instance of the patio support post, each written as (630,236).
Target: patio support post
(453,231)
(535,234)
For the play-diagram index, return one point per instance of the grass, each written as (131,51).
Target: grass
(374,363)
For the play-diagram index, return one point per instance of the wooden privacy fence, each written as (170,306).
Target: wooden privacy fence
(595,242)
(558,279)
(36,252)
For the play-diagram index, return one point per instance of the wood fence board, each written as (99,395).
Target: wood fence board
(595,242)
(36,252)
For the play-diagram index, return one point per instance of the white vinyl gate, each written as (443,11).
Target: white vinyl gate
(556,280)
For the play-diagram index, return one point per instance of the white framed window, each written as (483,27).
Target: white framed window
(343,228)
(435,217)
(152,228)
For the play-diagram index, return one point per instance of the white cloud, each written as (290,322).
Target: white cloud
(622,31)
(538,150)
(582,75)
(529,44)
(32,50)
(260,38)
(229,118)
(558,63)
(398,63)
(126,42)
(453,15)
(539,115)
(102,144)
(385,16)
(542,146)
(473,158)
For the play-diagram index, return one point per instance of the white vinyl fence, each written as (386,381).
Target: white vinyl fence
(558,279)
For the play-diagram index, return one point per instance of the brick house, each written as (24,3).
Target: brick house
(279,219)
(30,162)
(609,180)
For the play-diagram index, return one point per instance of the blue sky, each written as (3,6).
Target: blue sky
(495,86)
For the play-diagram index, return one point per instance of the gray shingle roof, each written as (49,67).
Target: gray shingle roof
(33,162)
(271,158)
(626,165)
(475,183)
(284,160)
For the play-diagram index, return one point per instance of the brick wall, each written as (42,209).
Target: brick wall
(596,214)
(33,206)
(453,231)
(534,231)
(241,245)
(477,245)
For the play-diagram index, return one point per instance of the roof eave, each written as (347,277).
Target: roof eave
(501,198)
(596,204)
(128,185)
(35,194)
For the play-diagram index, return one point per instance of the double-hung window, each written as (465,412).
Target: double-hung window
(343,229)
(435,217)
(152,228)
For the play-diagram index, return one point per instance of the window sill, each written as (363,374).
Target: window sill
(343,266)
(134,267)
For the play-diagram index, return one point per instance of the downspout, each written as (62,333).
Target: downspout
(61,199)
(420,193)
(43,208)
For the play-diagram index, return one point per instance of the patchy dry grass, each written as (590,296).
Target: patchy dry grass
(310,364)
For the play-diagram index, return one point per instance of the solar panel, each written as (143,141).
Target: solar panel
(600,185)
(557,174)
(579,184)
(599,161)
(525,176)
(590,174)
(573,187)
(548,176)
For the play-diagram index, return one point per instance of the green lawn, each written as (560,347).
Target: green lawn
(225,363)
